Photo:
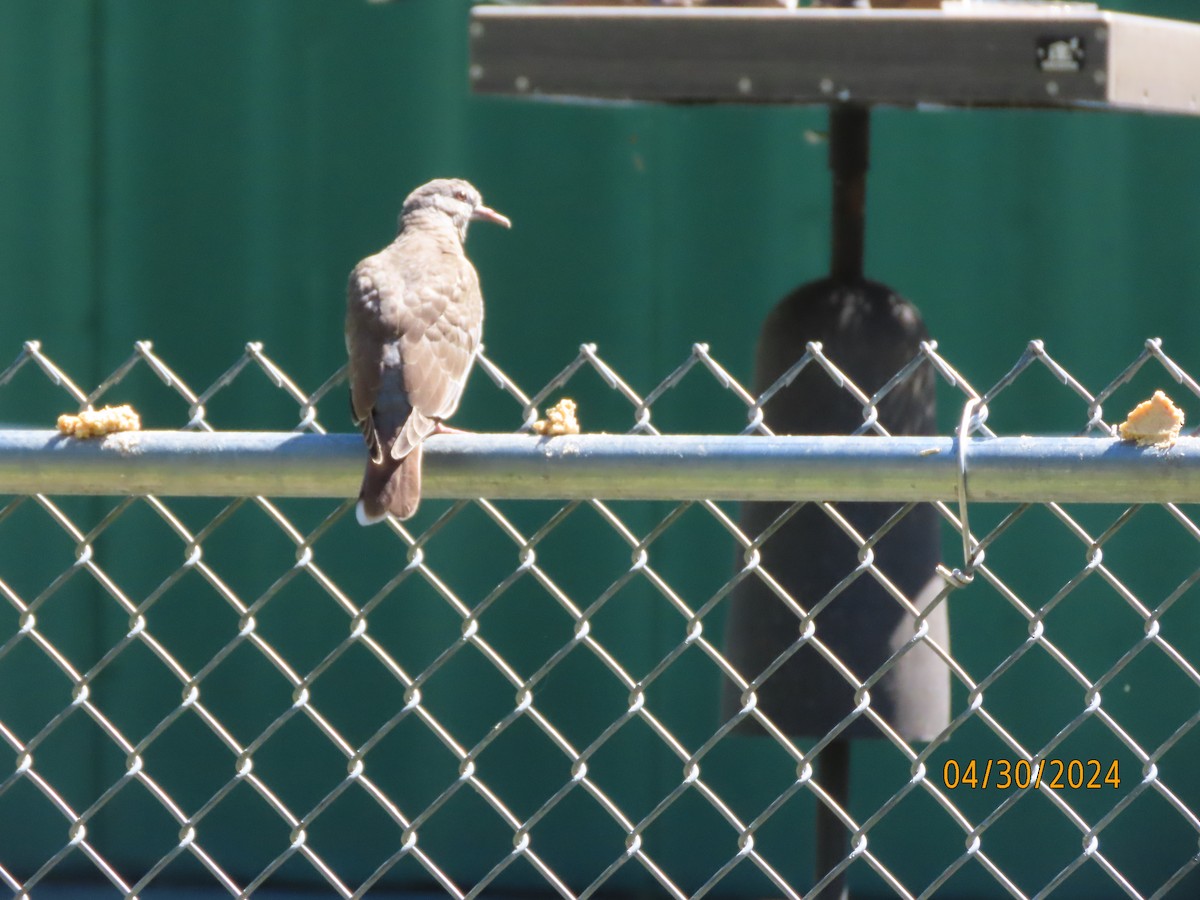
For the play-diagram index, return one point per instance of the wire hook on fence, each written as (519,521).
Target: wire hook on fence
(973,414)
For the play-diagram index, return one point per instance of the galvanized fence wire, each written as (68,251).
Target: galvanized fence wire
(361,768)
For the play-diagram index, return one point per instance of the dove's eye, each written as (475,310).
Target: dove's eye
(460,195)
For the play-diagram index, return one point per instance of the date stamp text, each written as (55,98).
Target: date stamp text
(1058,774)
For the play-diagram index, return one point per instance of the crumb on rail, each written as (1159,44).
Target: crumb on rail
(99,422)
(560,419)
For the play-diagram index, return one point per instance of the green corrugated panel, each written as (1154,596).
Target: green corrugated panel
(48,266)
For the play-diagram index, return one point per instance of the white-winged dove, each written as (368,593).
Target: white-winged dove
(414,319)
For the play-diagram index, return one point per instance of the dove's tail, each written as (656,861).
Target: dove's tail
(390,486)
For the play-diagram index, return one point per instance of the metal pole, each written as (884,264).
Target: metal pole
(677,467)
(833,774)
(849,154)
(849,148)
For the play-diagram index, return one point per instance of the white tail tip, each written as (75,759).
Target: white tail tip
(363,519)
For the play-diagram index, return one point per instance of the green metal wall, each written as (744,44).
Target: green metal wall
(203,173)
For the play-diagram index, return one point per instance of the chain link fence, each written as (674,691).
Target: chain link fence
(524,697)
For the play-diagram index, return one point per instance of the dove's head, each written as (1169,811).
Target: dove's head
(456,199)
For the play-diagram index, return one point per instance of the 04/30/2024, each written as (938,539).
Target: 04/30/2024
(1059,774)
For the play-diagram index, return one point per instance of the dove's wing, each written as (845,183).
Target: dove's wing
(441,323)
(413,324)
(367,343)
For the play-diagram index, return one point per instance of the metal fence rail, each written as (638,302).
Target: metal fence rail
(617,467)
(250,692)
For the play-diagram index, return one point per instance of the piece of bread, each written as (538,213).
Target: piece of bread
(1155,422)
(99,422)
(560,419)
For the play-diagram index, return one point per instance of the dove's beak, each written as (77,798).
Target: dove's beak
(487,214)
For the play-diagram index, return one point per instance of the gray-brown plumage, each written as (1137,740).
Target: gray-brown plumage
(414,319)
